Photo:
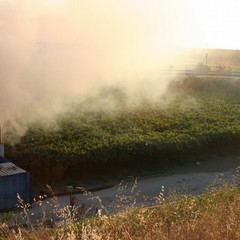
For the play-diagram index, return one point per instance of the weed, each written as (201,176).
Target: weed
(213,214)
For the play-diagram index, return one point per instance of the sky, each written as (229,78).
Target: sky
(184,23)
(53,49)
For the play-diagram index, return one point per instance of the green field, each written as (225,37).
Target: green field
(194,116)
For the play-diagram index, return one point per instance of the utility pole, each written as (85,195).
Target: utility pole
(206,61)
(1,143)
(1,134)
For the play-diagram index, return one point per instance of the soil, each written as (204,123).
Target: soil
(216,163)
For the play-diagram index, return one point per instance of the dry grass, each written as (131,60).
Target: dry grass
(215,214)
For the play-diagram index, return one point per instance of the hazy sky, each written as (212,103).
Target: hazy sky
(50,49)
(175,23)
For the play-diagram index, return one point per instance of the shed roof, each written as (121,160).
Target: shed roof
(3,160)
(8,168)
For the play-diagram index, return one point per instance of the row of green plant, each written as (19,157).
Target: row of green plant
(194,114)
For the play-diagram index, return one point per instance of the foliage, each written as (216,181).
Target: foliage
(6,216)
(202,68)
(196,118)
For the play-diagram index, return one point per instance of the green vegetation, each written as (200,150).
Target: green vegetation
(112,133)
(195,115)
(6,217)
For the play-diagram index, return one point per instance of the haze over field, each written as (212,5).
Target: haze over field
(53,49)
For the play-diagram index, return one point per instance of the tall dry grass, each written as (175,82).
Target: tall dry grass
(211,215)
(214,214)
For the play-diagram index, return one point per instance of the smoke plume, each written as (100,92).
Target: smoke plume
(52,52)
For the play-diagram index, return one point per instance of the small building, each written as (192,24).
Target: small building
(13,180)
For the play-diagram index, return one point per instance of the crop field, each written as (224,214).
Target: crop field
(195,115)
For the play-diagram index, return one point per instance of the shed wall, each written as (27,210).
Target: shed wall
(12,185)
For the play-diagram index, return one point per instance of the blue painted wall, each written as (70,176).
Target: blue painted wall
(10,186)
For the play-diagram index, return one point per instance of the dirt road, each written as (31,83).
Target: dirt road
(143,191)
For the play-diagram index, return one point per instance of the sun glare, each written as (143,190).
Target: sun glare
(217,23)
(161,25)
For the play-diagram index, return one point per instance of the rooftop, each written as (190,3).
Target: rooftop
(8,168)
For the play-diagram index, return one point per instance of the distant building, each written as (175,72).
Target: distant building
(13,180)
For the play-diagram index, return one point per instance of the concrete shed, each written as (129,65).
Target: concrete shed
(13,180)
